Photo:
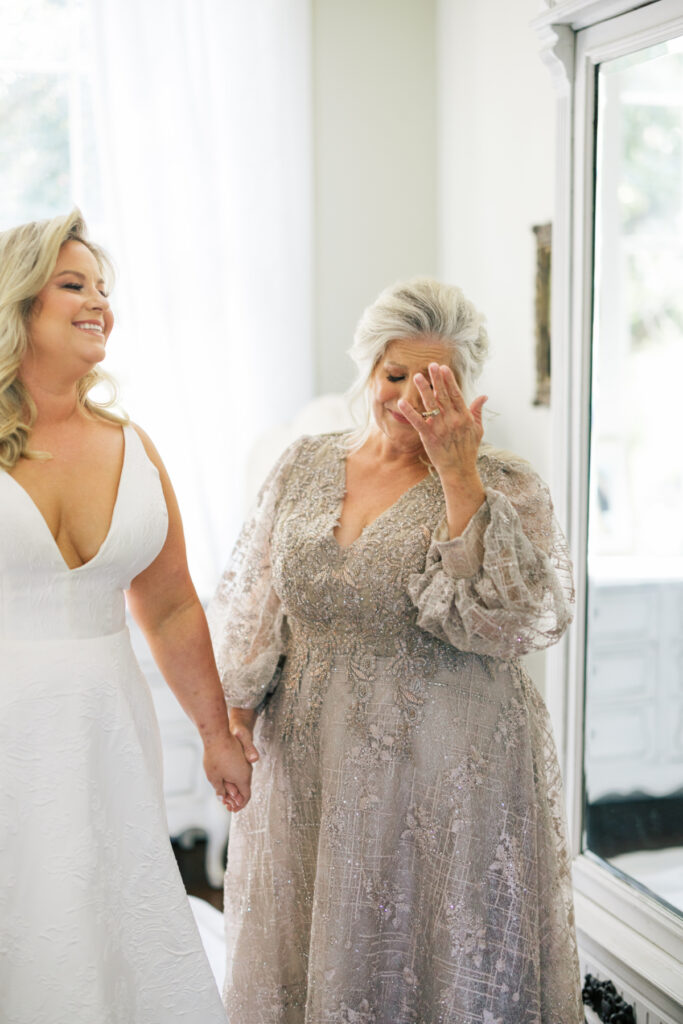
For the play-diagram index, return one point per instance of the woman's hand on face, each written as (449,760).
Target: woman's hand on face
(451,437)
(242,721)
(229,772)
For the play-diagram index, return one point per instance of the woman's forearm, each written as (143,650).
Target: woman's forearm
(182,649)
(463,500)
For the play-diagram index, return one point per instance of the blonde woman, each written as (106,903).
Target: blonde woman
(95,927)
(403,857)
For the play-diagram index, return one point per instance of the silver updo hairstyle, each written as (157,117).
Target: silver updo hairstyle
(421,307)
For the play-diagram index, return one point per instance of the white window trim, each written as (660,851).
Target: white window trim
(618,923)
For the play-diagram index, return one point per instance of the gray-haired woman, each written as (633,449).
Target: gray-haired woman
(403,857)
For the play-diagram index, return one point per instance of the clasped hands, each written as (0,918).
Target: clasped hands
(228,761)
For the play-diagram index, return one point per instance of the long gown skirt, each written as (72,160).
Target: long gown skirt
(95,926)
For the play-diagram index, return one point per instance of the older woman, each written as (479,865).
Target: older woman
(403,857)
(95,927)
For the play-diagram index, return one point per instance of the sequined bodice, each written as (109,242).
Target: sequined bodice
(356,595)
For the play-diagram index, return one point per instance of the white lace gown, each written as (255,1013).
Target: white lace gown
(403,858)
(95,926)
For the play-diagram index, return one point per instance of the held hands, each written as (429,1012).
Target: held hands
(229,772)
(452,432)
(242,721)
(228,768)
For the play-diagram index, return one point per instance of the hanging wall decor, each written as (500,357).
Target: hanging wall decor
(543,234)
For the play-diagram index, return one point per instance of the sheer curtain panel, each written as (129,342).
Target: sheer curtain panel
(202,113)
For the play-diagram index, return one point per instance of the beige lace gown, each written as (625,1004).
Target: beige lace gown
(403,858)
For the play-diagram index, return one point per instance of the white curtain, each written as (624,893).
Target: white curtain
(202,112)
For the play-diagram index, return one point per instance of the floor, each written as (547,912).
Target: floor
(191,864)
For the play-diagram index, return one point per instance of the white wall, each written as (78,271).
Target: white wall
(375,106)
(496,174)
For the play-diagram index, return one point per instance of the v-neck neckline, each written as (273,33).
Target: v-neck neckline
(41,517)
(343,549)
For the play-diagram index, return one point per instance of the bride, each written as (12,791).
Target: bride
(95,927)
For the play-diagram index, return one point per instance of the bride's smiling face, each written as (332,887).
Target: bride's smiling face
(392,379)
(71,318)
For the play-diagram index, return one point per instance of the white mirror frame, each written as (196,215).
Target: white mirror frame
(623,932)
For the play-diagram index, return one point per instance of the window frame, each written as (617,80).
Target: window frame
(619,924)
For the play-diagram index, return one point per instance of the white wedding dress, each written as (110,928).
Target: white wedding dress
(95,926)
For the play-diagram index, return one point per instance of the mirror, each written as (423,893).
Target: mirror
(634,655)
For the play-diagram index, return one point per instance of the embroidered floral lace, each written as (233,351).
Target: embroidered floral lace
(403,859)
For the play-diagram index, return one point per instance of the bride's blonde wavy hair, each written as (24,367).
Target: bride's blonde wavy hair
(28,255)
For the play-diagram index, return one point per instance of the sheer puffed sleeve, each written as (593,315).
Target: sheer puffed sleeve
(245,616)
(504,587)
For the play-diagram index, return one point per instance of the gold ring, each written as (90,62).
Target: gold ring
(430,412)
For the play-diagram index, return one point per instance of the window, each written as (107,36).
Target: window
(617,325)
(47,157)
